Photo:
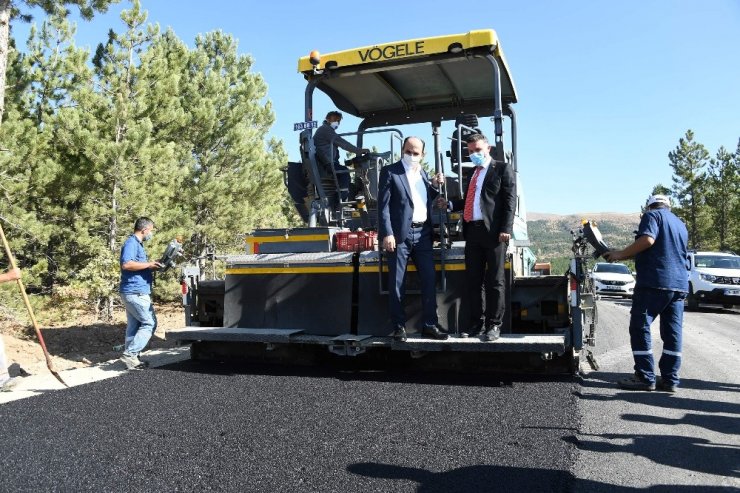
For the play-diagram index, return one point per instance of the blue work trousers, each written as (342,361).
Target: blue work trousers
(418,246)
(647,304)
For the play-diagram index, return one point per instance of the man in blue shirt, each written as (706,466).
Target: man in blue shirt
(136,289)
(662,265)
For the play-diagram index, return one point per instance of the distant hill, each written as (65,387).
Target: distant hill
(551,238)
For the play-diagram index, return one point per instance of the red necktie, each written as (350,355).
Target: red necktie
(470,197)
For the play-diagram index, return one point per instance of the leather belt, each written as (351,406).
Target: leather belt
(477,223)
(417,225)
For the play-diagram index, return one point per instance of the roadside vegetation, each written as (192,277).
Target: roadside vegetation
(143,125)
(705,194)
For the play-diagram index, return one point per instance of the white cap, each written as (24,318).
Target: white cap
(658,199)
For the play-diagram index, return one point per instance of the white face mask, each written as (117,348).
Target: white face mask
(411,161)
(334,125)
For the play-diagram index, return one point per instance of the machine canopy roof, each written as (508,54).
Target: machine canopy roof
(414,81)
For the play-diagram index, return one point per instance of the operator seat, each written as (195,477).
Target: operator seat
(468,120)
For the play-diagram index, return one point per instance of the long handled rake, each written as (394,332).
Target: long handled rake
(22,289)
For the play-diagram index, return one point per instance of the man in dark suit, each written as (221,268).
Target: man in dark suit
(488,207)
(405,197)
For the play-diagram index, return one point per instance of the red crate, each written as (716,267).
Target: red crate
(356,241)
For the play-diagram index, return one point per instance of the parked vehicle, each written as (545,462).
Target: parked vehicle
(613,279)
(714,278)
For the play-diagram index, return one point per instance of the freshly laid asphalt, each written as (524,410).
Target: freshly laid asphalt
(196,426)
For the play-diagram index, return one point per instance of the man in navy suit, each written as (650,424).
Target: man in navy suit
(488,219)
(405,197)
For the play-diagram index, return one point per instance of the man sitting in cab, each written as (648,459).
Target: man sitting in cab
(325,139)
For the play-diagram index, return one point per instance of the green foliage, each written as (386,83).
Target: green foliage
(234,181)
(723,179)
(661,189)
(143,126)
(706,192)
(87,8)
(688,161)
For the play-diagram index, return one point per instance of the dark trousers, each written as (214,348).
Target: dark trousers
(484,261)
(647,304)
(343,180)
(418,246)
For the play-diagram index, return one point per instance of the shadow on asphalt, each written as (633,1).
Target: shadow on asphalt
(600,379)
(353,372)
(721,424)
(684,452)
(712,309)
(502,478)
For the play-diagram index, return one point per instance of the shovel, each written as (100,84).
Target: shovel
(11,259)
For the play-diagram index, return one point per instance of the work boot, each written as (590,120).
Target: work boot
(635,382)
(132,362)
(664,386)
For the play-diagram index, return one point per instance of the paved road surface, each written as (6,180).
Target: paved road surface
(689,441)
(191,427)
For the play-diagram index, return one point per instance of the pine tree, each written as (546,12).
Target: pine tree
(54,68)
(688,161)
(234,183)
(12,9)
(723,180)
(39,81)
(734,227)
(117,171)
(661,189)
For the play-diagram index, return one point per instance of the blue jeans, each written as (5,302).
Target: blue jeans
(141,322)
(647,304)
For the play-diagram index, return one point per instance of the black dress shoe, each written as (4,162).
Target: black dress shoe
(434,332)
(475,330)
(492,332)
(400,333)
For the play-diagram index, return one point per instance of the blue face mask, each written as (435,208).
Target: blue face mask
(478,158)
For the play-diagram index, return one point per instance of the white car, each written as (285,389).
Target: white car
(714,278)
(613,279)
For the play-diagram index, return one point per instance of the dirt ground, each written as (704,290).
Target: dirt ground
(79,343)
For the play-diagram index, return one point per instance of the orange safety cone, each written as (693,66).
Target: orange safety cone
(22,289)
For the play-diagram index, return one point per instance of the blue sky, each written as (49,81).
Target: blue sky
(605,88)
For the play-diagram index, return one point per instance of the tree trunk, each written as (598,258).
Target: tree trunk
(4,42)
